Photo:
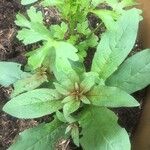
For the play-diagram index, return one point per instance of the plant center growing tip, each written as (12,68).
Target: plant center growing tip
(77,93)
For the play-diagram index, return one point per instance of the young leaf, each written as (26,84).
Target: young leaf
(34,104)
(10,73)
(75,135)
(116,44)
(89,81)
(133,74)
(58,31)
(70,107)
(43,137)
(110,97)
(60,116)
(29,83)
(101,131)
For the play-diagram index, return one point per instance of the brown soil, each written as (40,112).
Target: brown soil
(12,50)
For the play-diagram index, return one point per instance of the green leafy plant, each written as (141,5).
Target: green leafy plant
(55,80)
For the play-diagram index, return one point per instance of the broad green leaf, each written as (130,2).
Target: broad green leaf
(108,17)
(110,97)
(27,2)
(37,57)
(70,107)
(116,44)
(43,137)
(34,104)
(29,83)
(62,67)
(101,131)
(90,79)
(10,73)
(133,74)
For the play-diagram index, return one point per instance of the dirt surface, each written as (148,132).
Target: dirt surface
(12,50)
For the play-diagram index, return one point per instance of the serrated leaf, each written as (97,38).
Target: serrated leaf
(28,84)
(34,104)
(36,33)
(10,73)
(58,31)
(116,44)
(101,131)
(70,107)
(22,21)
(34,15)
(83,28)
(111,97)
(43,137)
(133,74)
(35,30)
(27,2)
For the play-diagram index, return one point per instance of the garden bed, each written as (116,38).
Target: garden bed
(12,50)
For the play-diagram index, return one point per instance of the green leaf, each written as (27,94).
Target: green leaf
(10,73)
(36,33)
(22,21)
(70,107)
(58,31)
(43,137)
(133,74)
(62,66)
(101,131)
(108,17)
(34,15)
(127,3)
(37,57)
(75,135)
(90,79)
(110,97)
(29,83)
(116,44)
(34,104)
(47,3)
(62,90)
(35,30)
(27,2)
(60,116)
